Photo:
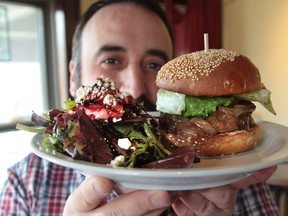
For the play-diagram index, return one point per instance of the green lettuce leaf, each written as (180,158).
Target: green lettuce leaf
(170,102)
(52,143)
(32,129)
(188,106)
(262,96)
(203,106)
(69,104)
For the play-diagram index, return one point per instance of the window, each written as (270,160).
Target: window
(31,77)
(22,66)
(33,67)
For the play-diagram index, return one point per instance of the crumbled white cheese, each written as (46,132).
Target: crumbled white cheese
(82,93)
(124,143)
(118,161)
(116,120)
(108,100)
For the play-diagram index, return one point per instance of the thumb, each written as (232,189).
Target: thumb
(90,194)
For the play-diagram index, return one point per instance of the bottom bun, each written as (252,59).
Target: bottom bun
(220,144)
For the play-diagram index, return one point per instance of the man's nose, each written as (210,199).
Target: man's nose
(134,82)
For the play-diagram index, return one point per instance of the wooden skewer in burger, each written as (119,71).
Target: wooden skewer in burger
(205,100)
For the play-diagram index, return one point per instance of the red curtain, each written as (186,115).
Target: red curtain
(190,20)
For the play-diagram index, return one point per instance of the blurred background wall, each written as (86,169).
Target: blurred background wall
(259,30)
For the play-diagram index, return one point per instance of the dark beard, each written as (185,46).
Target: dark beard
(148,105)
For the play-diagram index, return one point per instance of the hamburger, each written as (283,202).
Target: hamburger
(205,100)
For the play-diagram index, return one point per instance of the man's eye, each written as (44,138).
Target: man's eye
(111,61)
(154,66)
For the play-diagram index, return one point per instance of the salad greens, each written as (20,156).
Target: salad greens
(146,144)
(106,126)
(144,139)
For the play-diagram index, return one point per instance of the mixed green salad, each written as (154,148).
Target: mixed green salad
(106,126)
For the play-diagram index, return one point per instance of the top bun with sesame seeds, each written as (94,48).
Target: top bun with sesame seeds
(215,72)
(205,101)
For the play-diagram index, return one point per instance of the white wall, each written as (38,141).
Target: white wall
(259,30)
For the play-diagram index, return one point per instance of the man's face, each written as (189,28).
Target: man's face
(128,44)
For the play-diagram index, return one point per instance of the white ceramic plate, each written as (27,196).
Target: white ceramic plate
(210,172)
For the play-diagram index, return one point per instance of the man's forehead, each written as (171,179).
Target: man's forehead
(121,9)
(113,15)
(113,24)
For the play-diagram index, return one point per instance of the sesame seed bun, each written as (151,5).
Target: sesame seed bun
(217,72)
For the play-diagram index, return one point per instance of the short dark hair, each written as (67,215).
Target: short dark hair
(151,5)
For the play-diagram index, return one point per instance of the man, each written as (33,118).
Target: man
(127,41)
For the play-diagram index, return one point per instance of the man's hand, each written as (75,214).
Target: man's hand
(90,199)
(219,200)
